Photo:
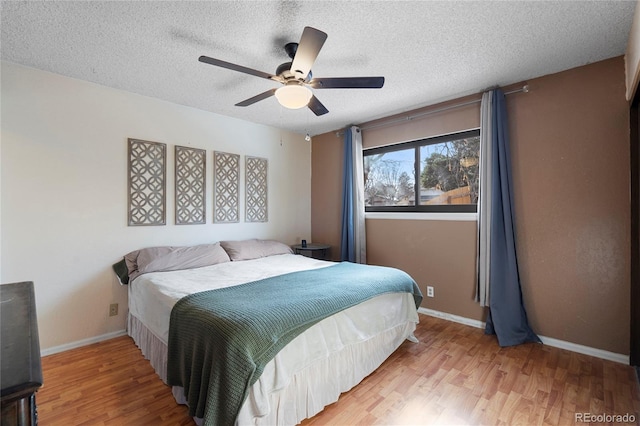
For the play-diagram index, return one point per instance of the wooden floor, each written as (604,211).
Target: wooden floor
(456,375)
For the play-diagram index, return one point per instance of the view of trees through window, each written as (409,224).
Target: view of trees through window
(389,178)
(447,173)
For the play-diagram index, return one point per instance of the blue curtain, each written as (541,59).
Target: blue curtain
(347,246)
(507,317)
(353,243)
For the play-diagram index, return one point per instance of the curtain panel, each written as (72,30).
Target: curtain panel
(353,246)
(499,285)
(484,204)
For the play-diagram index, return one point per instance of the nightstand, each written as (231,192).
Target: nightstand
(317,251)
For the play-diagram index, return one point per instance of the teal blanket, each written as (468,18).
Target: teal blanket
(220,340)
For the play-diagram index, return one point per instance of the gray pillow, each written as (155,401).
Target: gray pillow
(159,259)
(254,249)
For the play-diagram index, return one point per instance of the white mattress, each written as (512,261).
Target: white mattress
(313,369)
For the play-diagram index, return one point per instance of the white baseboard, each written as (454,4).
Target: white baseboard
(83,342)
(587,350)
(556,343)
(451,317)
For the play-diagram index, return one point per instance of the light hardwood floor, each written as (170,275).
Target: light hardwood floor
(456,375)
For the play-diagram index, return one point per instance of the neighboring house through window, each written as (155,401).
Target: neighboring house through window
(437,174)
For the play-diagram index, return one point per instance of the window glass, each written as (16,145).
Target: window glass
(449,172)
(438,174)
(389,178)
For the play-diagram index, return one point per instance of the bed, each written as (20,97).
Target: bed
(311,370)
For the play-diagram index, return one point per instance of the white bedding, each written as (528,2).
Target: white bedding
(312,370)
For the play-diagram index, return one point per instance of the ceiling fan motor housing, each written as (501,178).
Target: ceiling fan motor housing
(284,70)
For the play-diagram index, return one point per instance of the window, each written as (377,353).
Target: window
(428,175)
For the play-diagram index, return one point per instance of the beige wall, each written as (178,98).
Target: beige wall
(64,191)
(570,152)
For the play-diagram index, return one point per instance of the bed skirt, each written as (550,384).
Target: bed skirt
(284,395)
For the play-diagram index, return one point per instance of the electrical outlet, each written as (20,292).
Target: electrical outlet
(430,291)
(113,309)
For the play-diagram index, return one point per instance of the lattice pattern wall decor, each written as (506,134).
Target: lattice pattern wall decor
(190,185)
(226,187)
(256,190)
(147,183)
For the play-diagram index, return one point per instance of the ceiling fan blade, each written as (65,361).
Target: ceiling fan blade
(310,44)
(234,67)
(347,83)
(256,98)
(316,106)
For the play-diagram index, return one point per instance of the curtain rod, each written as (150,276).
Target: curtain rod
(523,89)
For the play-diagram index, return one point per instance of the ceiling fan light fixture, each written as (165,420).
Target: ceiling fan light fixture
(293,96)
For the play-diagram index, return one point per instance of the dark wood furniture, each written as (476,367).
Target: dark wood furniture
(318,251)
(634,121)
(21,370)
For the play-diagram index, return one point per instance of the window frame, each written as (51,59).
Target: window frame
(416,145)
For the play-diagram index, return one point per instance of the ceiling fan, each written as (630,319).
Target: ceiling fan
(296,76)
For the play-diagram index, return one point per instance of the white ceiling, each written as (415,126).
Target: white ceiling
(428,51)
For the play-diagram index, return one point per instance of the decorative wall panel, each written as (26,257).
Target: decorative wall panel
(256,190)
(190,185)
(147,183)
(226,187)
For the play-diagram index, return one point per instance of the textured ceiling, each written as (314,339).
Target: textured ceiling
(428,51)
